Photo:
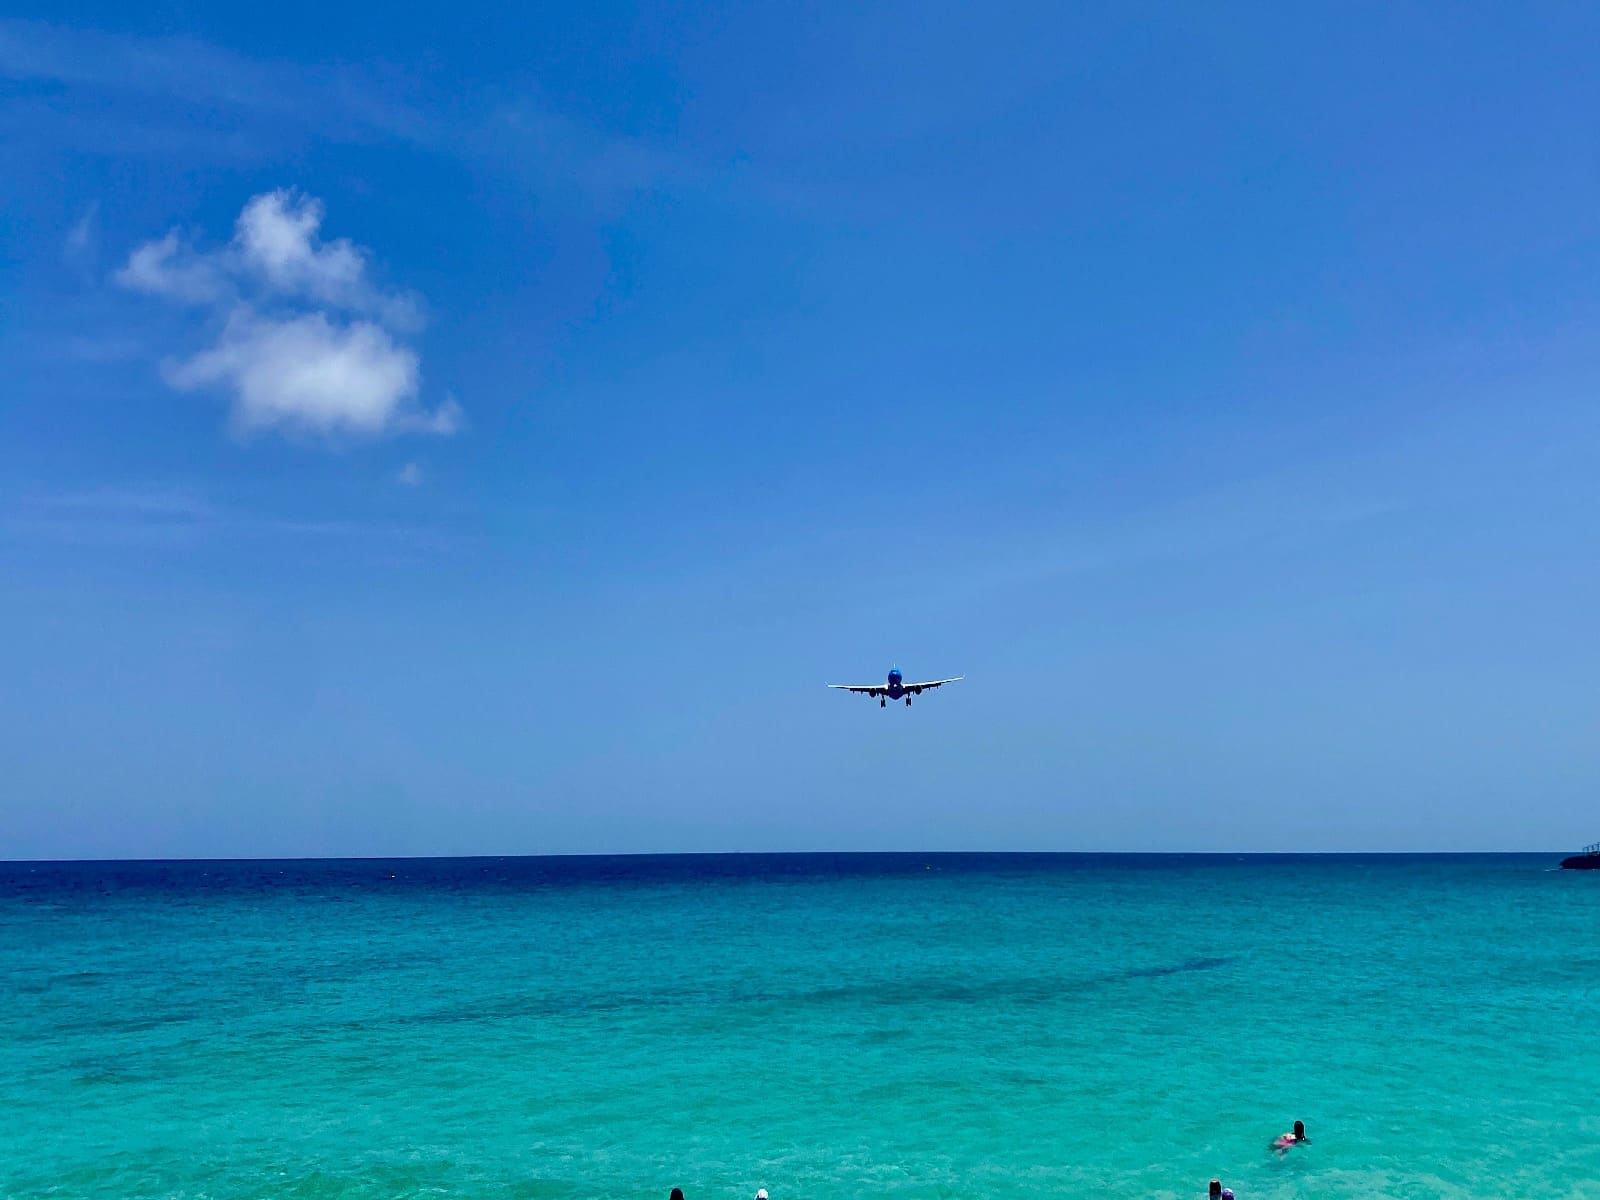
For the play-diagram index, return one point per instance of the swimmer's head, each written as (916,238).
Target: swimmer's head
(677,1194)
(1299,1131)
(1227,1194)
(1216,1188)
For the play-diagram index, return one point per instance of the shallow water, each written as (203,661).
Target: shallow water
(823,1026)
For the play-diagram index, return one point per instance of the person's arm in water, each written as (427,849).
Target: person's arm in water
(1284,1140)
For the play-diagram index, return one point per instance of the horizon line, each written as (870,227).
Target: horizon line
(315,858)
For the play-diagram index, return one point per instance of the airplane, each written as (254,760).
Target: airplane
(895,688)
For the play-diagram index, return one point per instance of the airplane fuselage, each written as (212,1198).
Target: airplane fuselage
(894,687)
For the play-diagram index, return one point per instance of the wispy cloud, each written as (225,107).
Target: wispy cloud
(552,149)
(158,503)
(165,268)
(1260,515)
(79,246)
(178,517)
(410,475)
(196,73)
(145,517)
(111,348)
(181,95)
(307,343)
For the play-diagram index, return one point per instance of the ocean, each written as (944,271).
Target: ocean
(823,1026)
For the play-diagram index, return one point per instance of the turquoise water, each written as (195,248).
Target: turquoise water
(896,1026)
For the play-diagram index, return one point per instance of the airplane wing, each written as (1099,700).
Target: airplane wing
(878,689)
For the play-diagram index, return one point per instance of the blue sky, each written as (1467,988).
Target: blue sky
(486,431)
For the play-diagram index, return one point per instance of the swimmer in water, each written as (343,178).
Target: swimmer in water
(1215,1190)
(1284,1140)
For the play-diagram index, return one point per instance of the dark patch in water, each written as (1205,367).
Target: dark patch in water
(42,984)
(1039,990)
(102,1076)
(1190,964)
(947,990)
(876,1037)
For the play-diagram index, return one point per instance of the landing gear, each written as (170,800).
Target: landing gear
(883,704)
(908,701)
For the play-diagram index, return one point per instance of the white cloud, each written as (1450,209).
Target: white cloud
(310,375)
(446,419)
(275,254)
(80,241)
(276,240)
(307,342)
(410,475)
(275,234)
(167,269)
